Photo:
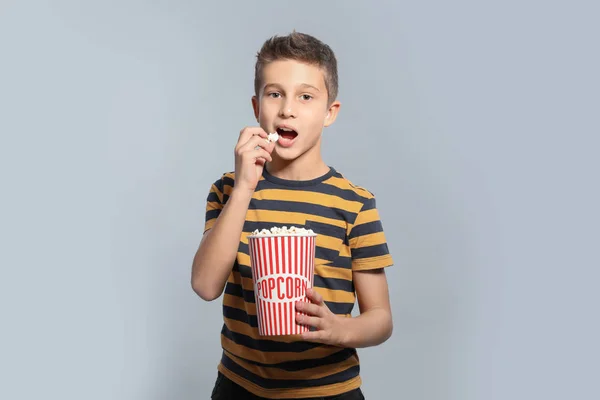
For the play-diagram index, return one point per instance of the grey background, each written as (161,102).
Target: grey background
(475,124)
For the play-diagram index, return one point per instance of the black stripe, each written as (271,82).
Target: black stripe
(366,229)
(266,345)
(339,308)
(302,207)
(211,214)
(240,315)
(339,377)
(334,283)
(326,254)
(213,197)
(342,262)
(346,194)
(298,365)
(228,181)
(244,270)
(322,228)
(369,204)
(370,251)
(236,290)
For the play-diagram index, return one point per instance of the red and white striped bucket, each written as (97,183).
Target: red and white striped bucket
(282,268)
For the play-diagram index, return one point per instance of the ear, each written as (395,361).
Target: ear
(255,107)
(332,113)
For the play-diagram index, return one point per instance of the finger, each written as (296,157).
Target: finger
(260,153)
(314,336)
(312,309)
(257,141)
(310,321)
(314,296)
(249,132)
(261,161)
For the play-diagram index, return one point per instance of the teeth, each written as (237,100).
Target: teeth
(286,129)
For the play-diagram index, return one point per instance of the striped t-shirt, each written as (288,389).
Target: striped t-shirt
(350,238)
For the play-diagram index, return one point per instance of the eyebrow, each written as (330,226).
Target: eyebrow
(304,85)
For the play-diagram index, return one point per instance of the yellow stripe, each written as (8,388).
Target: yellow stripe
(328,242)
(336,296)
(339,183)
(321,261)
(307,197)
(326,271)
(343,183)
(213,205)
(276,217)
(230,175)
(230,300)
(372,239)
(209,224)
(367,216)
(215,190)
(243,259)
(232,278)
(314,373)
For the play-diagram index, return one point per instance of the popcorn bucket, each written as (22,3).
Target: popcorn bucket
(282,269)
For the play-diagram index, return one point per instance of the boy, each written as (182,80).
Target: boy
(287,183)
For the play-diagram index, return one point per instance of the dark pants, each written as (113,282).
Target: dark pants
(225,389)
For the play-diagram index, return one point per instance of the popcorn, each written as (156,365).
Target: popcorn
(284,230)
(271,137)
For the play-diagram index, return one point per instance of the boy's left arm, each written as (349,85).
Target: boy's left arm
(370,255)
(372,327)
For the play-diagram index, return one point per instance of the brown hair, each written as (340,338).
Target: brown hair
(300,47)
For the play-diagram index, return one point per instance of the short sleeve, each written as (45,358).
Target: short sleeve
(368,245)
(214,204)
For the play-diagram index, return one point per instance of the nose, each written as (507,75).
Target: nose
(287,111)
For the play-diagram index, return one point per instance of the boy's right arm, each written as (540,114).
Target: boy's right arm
(218,249)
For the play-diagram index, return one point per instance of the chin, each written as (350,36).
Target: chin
(287,154)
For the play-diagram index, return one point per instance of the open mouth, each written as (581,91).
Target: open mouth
(287,133)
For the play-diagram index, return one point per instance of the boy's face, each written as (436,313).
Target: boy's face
(293,102)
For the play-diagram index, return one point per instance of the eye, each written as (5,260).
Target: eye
(274,95)
(306,97)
